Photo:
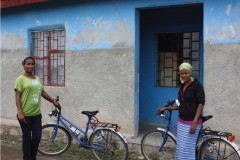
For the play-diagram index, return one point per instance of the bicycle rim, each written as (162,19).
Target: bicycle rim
(108,145)
(218,149)
(150,145)
(59,145)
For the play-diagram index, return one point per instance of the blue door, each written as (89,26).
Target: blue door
(168,37)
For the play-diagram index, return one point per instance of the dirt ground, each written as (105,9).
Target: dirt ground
(10,153)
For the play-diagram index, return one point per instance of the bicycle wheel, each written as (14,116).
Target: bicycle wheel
(151,142)
(107,145)
(57,146)
(219,149)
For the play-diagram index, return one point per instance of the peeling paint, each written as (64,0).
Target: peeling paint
(221,33)
(228,10)
(111,32)
(38,23)
(227,32)
(12,41)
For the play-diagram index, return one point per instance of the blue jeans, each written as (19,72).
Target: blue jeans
(31,136)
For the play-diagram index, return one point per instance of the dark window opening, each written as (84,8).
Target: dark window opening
(172,50)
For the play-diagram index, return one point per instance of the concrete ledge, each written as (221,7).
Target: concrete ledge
(11,122)
(10,127)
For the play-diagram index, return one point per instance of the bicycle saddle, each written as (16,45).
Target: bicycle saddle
(90,113)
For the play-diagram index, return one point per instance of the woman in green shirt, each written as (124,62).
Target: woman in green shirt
(28,91)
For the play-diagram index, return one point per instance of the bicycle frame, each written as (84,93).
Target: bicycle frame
(170,129)
(64,122)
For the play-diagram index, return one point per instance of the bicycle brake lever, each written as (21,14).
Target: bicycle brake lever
(53,113)
(50,114)
(162,115)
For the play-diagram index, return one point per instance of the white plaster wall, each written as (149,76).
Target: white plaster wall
(222,87)
(95,80)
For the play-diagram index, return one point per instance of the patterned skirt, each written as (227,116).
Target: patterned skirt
(186,142)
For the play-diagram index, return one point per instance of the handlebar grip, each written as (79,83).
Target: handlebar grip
(170,103)
(57,98)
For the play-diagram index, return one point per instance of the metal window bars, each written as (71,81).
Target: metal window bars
(172,50)
(48,48)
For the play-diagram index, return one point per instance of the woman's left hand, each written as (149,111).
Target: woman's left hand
(193,128)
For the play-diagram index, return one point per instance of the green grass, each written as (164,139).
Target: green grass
(74,151)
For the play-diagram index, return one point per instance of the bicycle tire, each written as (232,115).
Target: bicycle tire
(150,145)
(212,146)
(60,144)
(108,145)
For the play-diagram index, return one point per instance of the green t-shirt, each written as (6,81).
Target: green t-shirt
(31,92)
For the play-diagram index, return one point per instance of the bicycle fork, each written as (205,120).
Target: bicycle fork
(165,137)
(164,141)
(54,134)
(55,130)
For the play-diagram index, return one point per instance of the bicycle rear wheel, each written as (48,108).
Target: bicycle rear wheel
(219,149)
(108,145)
(151,142)
(57,146)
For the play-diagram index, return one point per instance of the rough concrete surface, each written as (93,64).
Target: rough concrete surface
(221,83)
(95,80)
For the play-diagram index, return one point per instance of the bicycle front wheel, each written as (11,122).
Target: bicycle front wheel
(219,149)
(151,142)
(56,146)
(107,145)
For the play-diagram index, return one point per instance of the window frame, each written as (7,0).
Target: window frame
(52,49)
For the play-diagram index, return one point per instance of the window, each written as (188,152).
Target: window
(172,50)
(48,49)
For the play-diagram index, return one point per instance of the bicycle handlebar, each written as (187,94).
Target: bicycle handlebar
(170,103)
(56,110)
(57,98)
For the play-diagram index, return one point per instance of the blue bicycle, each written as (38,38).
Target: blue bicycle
(105,140)
(212,145)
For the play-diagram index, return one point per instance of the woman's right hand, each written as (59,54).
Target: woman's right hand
(21,118)
(161,110)
(56,104)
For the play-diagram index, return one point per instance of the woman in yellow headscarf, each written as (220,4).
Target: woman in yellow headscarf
(192,99)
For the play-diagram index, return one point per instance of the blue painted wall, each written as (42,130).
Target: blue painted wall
(86,27)
(170,19)
(106,24)
(222,21)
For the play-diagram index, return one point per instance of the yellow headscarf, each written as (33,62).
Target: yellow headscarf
(188,67)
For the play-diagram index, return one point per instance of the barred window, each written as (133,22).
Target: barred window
(172,50)
(48,49)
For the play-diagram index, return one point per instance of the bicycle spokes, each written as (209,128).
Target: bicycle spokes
(218,149)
